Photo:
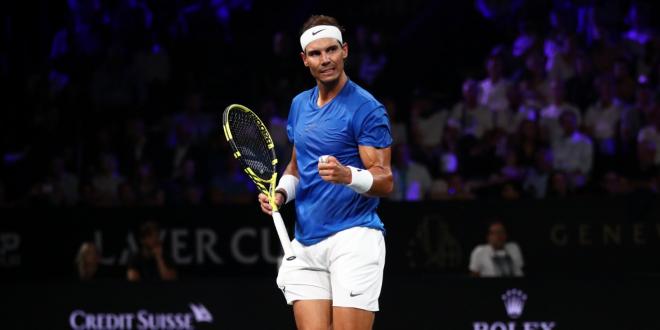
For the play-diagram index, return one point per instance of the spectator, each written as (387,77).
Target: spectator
(550,114)
(412,180)
(645,172)
(497,258)
(613,184)
(186,189)
(197,124)
(603,117)
(624,81)
(171,165)
(651,134)
(453,187)
(632,117)
(561,55)
(59,187)
(494,87)
(559,186)
(538,176)
(528,142)
(580,88)
(137,146)
(87,261)
(511,171)
(474,119)
(147,188)
(427,122)
(106,182)
(534,84)
(150,263)
(398,127)
(573,152)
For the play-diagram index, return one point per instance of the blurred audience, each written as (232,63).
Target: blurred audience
(120,109)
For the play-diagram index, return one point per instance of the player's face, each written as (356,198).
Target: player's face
(325,59)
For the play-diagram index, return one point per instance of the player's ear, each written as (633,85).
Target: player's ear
(303,57)
(345,48)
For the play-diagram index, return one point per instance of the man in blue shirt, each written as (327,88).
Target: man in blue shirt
(339,166)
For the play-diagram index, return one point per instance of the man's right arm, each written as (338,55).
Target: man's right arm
(280,196)
(474,263)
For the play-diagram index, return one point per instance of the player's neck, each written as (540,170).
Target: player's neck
(328,91)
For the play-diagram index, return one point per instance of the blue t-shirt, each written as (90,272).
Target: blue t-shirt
(354,117)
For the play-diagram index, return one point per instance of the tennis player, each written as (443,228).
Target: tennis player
(339,167)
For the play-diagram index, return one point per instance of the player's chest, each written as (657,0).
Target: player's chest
(325,127)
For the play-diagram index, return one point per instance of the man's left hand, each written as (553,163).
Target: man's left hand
(331,170)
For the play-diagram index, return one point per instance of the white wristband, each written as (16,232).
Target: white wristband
(361,180)
(288,184)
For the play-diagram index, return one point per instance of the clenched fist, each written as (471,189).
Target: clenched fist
(331,170)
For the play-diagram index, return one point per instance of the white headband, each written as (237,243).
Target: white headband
(318,32)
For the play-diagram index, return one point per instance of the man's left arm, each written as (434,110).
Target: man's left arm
(377,162)
(378,181)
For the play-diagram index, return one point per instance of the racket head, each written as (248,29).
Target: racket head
(252,145)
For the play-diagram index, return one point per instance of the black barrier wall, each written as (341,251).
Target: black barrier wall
(589,265)
(558,239)
(406,303)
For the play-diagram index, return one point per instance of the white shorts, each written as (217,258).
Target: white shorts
(346,268)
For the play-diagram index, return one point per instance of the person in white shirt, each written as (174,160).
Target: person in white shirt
(498,258)
(573,152)
(603,117)
(494,87)
(550,114)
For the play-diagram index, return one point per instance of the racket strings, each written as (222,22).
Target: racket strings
(250,143)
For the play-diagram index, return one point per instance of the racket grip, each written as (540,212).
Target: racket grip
(283,236)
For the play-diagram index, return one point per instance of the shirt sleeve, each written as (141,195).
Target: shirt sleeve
(474,261)
(372,126)
(291,122)
(518,260)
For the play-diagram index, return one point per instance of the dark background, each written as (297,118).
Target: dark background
(84,82)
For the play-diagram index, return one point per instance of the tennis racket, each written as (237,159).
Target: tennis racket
(254,148)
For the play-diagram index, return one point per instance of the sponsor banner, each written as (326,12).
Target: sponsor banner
(559,238)
(429,302)
(142,319)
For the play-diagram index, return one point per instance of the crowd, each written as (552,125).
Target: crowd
(124,106)
(570,110)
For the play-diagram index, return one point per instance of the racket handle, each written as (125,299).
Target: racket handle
(283,236)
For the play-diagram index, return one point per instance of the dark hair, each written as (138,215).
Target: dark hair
(148,228)
(315,20)
(495,221)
